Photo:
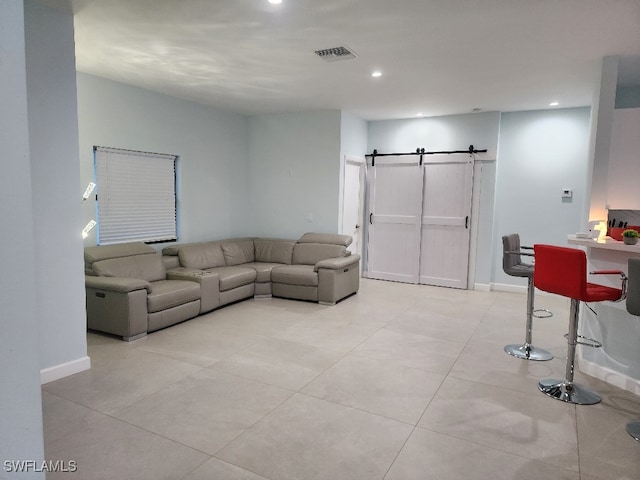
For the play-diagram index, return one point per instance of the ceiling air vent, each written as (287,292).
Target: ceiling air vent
(336,53)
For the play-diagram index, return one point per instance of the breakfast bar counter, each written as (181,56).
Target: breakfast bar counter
(618,360)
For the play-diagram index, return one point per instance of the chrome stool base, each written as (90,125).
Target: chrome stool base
(528,352)
(633,429)
(569,392)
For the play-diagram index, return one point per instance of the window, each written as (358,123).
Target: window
(136,198)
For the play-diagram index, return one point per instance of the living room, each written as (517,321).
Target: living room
(237,175)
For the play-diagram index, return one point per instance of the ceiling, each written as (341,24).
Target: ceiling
(437,57)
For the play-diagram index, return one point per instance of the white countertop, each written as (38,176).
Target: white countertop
(606,244)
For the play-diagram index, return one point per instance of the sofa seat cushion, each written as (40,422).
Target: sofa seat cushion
(233,277)
(302,275)
(263,270)
(171,293)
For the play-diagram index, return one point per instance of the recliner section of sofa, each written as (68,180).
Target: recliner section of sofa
(132,290)
(321,270)
(129,291)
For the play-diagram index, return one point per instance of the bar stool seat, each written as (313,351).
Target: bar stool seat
(563,271)
(513,265)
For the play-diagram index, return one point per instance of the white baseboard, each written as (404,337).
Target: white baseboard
(605,374)
(505,287)
(64,370)
(482,287)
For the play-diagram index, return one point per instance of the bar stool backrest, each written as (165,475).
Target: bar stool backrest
(512,262)
(633,292)
(560,270)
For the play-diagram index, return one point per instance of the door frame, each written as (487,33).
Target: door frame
(361,162)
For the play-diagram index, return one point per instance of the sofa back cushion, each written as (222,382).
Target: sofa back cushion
(104,252)
(312,253)
(237,252)
(328,238)
(271,250)
(147,267)
(203,256)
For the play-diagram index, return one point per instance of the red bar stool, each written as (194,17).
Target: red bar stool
(563,271)
(633,307)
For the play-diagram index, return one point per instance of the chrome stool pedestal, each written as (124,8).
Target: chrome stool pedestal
(633,429)
(526,351)
(565,390)
(569,392)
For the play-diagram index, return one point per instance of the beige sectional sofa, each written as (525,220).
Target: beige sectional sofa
(131,290)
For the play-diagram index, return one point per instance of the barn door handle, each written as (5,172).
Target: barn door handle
(466,221)
(371,218)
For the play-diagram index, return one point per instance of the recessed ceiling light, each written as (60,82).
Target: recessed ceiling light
(275,2)
(554,104)
(420,114)
(376,73)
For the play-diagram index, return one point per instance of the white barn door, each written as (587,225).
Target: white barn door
(446,211)
(395,206)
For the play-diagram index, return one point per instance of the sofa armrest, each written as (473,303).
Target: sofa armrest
(209,285)
(338,278)
(337,263)
(117,284)
(117,306)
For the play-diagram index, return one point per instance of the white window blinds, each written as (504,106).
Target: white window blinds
(136,196)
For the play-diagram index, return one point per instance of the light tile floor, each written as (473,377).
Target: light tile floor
(398,382)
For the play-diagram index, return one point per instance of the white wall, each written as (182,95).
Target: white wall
(294,173)
(53,141)
(212,186)
(539,154)
(21,435)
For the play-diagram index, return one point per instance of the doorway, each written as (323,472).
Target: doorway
(353,201)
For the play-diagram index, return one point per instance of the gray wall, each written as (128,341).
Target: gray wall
(627,97)
(212,185)
(539,154)
(452,132)
(53,141)
(353,143)
(294,173)
(353,135)
(21,434)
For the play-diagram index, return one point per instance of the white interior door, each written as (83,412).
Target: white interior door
(446,210)
(395,205)
(353,202)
